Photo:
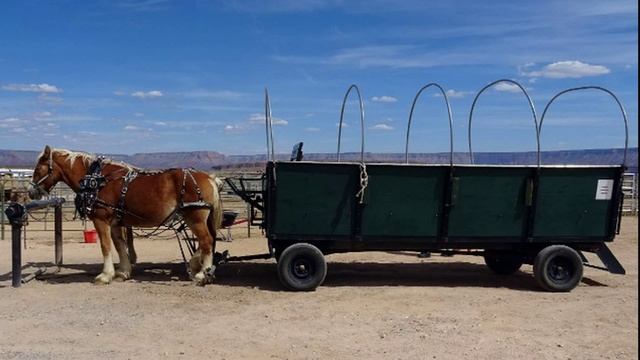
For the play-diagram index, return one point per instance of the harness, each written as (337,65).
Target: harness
(87,197)
(90,186)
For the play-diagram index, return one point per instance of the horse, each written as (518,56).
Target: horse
(124,195)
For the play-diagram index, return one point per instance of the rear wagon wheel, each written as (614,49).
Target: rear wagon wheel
(558,268)
(302,267)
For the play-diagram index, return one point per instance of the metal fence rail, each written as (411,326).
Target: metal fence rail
(15,189)
(630,191)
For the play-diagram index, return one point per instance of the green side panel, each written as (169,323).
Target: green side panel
(314,199)
(567,204)
(489,202)
(404,200)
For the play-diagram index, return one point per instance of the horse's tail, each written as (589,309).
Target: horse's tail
(214,221)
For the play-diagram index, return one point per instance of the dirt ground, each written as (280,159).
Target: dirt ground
(372,305)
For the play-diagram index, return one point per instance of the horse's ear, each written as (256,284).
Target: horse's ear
(47,151)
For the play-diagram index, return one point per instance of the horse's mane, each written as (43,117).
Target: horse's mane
(87,159)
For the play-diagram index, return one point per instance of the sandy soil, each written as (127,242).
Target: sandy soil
(372,305)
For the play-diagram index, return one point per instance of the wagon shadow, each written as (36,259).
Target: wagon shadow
(372,274)
(263,275)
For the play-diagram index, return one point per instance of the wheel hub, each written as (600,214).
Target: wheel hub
(301,268)
(560,269)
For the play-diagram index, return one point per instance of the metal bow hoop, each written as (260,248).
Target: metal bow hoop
(533,112)
(413,105)
(268,126)
(624,113)
(344,102)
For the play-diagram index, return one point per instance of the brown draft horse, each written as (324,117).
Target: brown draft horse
(151,198)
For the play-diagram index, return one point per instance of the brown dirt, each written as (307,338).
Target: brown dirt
(372,305)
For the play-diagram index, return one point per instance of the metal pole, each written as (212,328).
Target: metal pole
(2,208)
(16,255)
(58,234)
(249,220)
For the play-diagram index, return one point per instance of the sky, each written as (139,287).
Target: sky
(128,76)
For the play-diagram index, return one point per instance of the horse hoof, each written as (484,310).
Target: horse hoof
(202,279)
(102,279)
(121,276)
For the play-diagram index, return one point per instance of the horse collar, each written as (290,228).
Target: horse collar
(90,186)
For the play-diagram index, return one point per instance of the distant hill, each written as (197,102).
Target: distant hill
(207,160)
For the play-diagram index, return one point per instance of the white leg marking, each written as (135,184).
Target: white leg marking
(207,262)
(108,271)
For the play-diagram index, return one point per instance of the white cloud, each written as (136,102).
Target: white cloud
(454,94)
(132,127)
(566,69)
(148,94)
(236,128)
(42,114)
(160,123)
(39,88)
(507,87)
(312,129)
(87,133)
(257,118)
(384,99)
(384,127)
(119,93)
(218,95)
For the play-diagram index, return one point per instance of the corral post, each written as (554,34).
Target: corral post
(249,220)
(57,215)
(1,208)
(16,255)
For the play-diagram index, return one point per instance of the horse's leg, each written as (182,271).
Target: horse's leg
(104,232)
(123,271)
(197,222)
(133,257)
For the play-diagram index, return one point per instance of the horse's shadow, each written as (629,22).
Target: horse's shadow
(263,275)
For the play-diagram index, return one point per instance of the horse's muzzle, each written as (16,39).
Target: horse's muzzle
(36,193)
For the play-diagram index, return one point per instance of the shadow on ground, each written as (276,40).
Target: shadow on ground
(263,275)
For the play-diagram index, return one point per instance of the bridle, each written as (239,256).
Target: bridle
(38,185)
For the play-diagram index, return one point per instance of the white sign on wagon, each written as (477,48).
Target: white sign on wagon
(604,191)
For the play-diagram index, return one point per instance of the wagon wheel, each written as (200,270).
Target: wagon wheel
(558,268)
(502,262)
(302,267)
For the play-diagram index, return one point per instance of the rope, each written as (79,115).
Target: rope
(364,182)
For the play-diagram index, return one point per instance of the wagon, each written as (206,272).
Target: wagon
(543,215)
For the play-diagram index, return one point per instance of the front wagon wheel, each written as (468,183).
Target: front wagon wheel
(302,267)
(558,268)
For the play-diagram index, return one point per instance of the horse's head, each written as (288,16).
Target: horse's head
(45,175)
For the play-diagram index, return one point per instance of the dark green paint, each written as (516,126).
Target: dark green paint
(488,202)
(567,205)
(318,200)
(314,199)
(404,200)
